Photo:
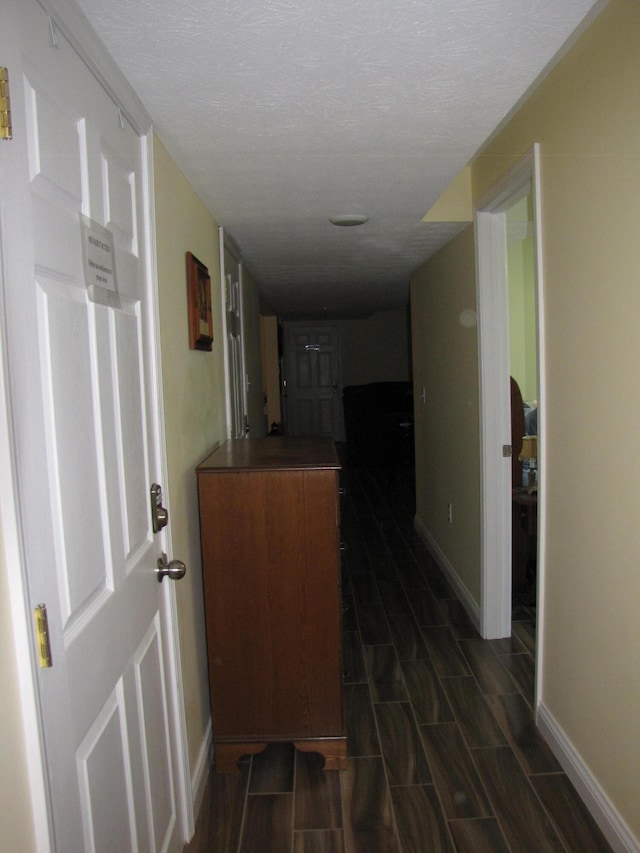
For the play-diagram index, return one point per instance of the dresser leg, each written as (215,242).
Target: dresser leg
(333,750)
(228,754)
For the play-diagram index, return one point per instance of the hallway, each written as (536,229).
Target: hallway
(443,754)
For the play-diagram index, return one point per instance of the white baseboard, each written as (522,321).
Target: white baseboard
(202,769)
(605,815)
(471,606)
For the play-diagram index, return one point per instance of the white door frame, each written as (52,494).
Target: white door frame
(495,404)
(236,395)
(66,17)
(21,622)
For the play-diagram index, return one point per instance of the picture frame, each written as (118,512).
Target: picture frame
(199,302)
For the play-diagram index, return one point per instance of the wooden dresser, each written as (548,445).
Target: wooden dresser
(269,521)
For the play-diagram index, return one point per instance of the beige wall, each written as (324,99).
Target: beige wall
(253,356)
(522,313)
(586,117)
(445,364)
(375,349)
(194,408)
(16,818)
(271,368)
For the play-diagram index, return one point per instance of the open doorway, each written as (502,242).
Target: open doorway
(518,187)
(523,367)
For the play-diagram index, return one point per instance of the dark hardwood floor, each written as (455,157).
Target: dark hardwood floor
(443,752)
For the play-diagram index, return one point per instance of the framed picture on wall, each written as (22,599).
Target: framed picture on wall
(199,301)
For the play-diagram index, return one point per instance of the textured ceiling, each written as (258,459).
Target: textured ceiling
(283,113)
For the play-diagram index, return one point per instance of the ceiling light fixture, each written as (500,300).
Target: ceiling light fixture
(349,219)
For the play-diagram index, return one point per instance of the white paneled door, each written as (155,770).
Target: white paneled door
(312,372)
(79,346)
(231,269)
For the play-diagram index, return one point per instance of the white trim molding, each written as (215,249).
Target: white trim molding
(202,768)
(493,374)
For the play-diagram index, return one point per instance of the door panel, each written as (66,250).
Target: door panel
(84,419)
(103,756)
(312,370)
(238,425)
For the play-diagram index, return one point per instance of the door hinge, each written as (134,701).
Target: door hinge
(507,451)
(42,636)
(5,106)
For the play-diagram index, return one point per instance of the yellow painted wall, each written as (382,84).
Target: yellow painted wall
(270,369)
(586,117)
(194,407)
(455,203)
(253,356)
(445,364)
(522,317)
(16,818)
(375,349)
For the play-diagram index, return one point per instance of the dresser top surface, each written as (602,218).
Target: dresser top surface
(276,453)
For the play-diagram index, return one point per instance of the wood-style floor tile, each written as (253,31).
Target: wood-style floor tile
(383,566)
(267,824)
(439,585)
(220,820)
(473,715)
(419,549)
(478,835)
(317,794)
(411,577)
(407,637)
(454,773)
(506,646)
(374,541)
(522,670)
(401,743)
(458,620)
(352,660)
(426,608)
(444,651)
(421,825)
(522,613)
(485,666)
(349,618)
(373,624)
(366,806)
(319,841)
(393,538)
(429,701)
(516,720)
(526,632)
(362,736)
(384,673)
(525,823)
(365,588)
(272,770)
(577,828)
(393,596)
(355,561)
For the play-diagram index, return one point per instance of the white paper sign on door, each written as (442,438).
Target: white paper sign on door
(98,253)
